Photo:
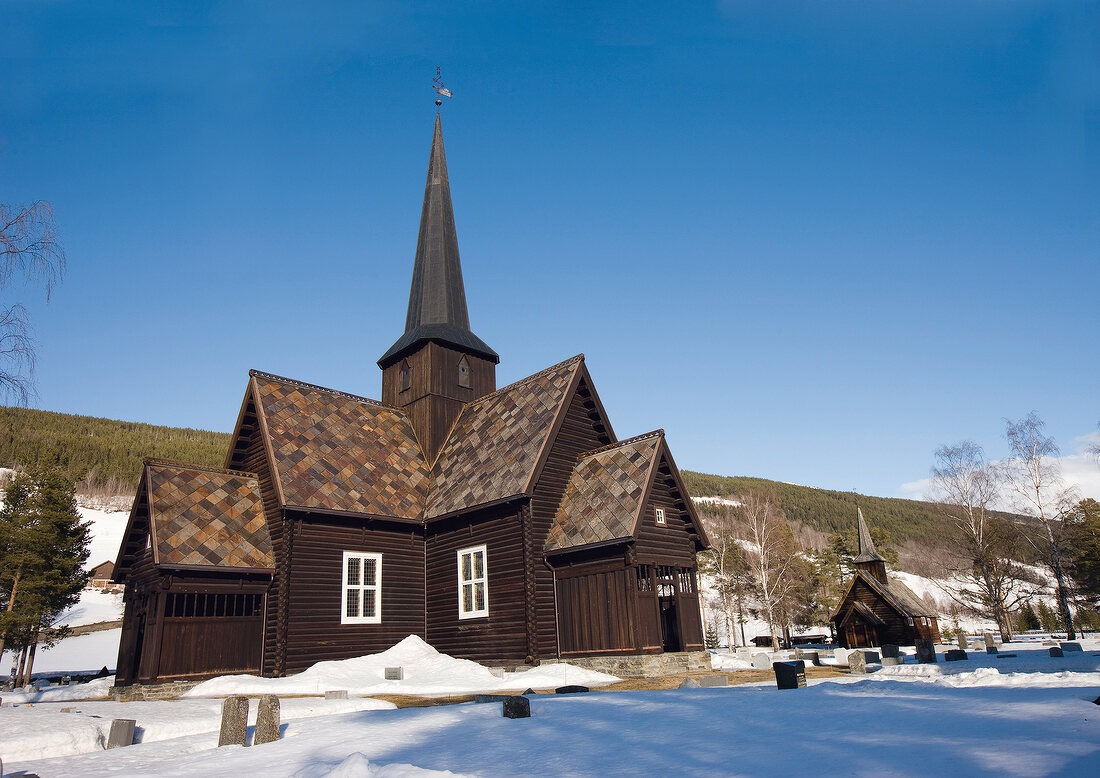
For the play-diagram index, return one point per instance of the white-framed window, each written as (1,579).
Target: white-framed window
(659,514)
(473,582)
(362,588)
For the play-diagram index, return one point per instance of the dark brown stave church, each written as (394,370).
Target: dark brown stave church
(501,525)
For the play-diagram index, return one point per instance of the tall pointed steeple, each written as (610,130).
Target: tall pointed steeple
(437,300)
(869,560)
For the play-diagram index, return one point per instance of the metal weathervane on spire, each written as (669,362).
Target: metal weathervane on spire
(437,85)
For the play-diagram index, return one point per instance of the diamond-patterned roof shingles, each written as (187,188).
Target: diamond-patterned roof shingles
(604,494)
(208,518)
(495,443)
(339,452)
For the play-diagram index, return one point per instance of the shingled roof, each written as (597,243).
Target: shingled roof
(604,495)
(336,451)
(205,517)
(497,441)
(896,594)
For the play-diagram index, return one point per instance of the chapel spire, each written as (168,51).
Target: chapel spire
(437,299)
(868,558)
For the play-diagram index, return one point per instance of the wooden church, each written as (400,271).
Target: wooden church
(876,610)
(502,525)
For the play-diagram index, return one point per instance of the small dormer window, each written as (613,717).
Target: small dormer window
(464,372)
(405,375)
(659,514)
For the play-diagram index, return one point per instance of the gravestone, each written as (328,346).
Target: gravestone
(398,673)
(797,652)
(336,694)
(688,683)
(1056,651)
(857,662)
(892,661)
(841,655)
(991,649)
(483,698)
(812,657)
(954,655)
(267,720)
(516,706)
(1006,656)
(761,661)
(529,690)
(926,651)
(709,681)
(963,645)
(870,656)
(69,710)
(572,689)
(989,641)
(889,650)
(790,675)
(496,672)
(121,734)
(234,722)
(1070,648)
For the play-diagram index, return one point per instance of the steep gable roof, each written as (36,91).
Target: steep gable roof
(497,441)
(340,452)
(896,594)
(206,517)
(605,493)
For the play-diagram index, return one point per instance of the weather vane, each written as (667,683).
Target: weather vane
(437,84)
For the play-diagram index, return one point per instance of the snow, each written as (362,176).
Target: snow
(426,671)
(94,607)
(78,654)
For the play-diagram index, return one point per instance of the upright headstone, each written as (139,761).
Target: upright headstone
(571,689)
(954,655)
(234,722)
(989,642)
(336,694)
(688,683)
(708,681)
(1056,651)
(267,720)
(963,644)
(790,675)
(892,661)
(841,655)
(870,656)
(926,651)
(516,707)
(483,698)
(890,650)
(121,734)
(813,657)
(857,662)
(991,649)
(398,673)
(761,661)
(1070,648)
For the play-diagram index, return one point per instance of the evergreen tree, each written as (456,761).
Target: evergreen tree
(1026,619)
(1083,546)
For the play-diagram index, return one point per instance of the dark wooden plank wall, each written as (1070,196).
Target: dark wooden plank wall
(139,600)
(596,609)
(316,578)
(199,647)
(582,429)
(668,544)
(501,635)
(897,629)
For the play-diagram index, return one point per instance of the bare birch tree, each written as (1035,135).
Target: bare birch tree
(1034,476)
(776,552)
(966,488)
(726,564)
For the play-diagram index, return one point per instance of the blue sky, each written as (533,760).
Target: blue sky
(811,240)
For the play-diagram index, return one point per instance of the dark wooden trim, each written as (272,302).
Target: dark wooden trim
(265,436)
(689,504)
(648,491)
(353,515)
(562,552)
(555,428)
(268,571)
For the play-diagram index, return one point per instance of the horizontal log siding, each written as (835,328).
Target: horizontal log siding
(501,635)
(668,544)
(897,629)
(314,631)
(581,430)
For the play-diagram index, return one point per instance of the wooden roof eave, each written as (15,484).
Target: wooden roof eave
(269,571)
(354,515)
(555,428)
(558,552)
(844,599)
(651,476)
(152,517)
(689,504)
(120,561)
(472,508)
(265,435)
(237,426)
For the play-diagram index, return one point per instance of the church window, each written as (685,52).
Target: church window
(660,515)
(910,620)
(464,372)
(406,379)
(362,588)
(473,583)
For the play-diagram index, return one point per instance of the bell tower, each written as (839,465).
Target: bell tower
(438,365)
(869,560)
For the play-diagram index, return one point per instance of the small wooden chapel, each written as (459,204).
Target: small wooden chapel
(876,610)
(502,525)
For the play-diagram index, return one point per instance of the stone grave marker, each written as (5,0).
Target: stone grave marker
(709,681)
(267,720)
(892,661)
(857,662)
(121,734)
(870,656)
(926,651)
(991,649)
(398,673)
(790,675)
(889,650)
(841,655)
(954,655)
(234,728)
(963,644)
(529,690)
(483,698)
(571,689)
(1056,651)
(761,661)
(813,657)
(688,683)
(69,710)
(516,706)
(1070,648)
(496,672)
(336,694)
(990,641)
(1006,656)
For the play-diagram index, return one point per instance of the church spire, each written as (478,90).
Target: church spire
(867,552)
(437,299)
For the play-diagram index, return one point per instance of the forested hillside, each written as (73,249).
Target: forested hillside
(101,453)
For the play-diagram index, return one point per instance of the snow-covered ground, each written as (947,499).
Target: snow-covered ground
(1028,716)
(76,655)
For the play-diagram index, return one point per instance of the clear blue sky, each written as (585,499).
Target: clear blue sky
(812,240)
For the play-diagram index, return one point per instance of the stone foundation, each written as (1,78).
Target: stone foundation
(642,665)
(153,691)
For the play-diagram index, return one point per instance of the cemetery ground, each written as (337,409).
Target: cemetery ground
(1030,714)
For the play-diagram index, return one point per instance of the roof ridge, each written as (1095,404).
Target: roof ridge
(528,379)
(315,387)
(658,433)
(193,466)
